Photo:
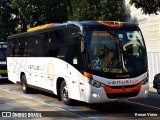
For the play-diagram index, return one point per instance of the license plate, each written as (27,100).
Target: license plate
(123,99)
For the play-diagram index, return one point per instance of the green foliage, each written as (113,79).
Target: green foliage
(17,15)
(147,6)
(8,19)
(37,12)
(96,10)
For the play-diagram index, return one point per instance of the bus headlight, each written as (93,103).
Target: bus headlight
(144,81)
(95,83)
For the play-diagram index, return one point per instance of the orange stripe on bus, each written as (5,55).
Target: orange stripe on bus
(40,27)
(115,24)
(122,90)
(88,75)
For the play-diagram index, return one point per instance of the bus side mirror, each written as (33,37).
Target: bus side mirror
(81,37)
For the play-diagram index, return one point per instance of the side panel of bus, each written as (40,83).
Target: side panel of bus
(44,58)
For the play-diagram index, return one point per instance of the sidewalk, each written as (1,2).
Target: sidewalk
(18,107)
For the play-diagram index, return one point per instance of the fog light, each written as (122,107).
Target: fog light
(146,92)
(95,95)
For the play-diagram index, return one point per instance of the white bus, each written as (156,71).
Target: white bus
(93,62)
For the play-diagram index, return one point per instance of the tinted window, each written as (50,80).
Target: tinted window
(45,43)
(30,47)
(2,55)
(21,51)
(55,42)
(75,52)
(117,51)
(15,47)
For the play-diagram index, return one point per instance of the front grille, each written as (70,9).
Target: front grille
(119,95)
(126,86)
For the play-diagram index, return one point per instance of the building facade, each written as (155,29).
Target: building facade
(150,27)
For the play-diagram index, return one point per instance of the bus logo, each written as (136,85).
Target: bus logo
(96,64)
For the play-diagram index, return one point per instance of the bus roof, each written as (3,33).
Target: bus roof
(104,24)
(81,24)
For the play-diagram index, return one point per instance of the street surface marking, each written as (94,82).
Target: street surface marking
(51,103)
(144,105)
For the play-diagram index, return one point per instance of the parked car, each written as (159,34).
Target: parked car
(156,82)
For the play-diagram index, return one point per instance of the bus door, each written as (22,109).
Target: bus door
(76,86)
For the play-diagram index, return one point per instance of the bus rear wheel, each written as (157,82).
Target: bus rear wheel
(64,94)
(25,88)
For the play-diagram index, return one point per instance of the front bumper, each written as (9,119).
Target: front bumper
(100,95)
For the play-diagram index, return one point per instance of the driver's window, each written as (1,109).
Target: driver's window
(75,52)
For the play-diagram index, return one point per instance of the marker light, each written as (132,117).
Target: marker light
(40,27)
(114,24)
(88,75)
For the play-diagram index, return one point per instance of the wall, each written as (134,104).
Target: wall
(150,27)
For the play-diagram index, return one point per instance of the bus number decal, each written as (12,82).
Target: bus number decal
(97,64)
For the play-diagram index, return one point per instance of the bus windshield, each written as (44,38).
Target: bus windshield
(116,51)
(3,50)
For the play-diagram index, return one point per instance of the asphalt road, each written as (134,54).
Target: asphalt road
(136,109)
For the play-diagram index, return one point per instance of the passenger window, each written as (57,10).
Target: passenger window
(55,42)
(30,47)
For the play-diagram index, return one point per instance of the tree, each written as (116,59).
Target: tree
(37,12)
(17,15)
(96,10)
(8,19)
(147,6)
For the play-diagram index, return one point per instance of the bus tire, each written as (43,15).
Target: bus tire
(25,88)
(64,93)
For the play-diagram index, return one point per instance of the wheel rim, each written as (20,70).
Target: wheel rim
(64,92)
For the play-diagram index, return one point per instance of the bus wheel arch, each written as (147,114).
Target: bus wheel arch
(23,82)
(62,91)
(58,86)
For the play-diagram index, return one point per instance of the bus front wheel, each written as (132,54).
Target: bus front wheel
(24,84)
(64,94)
